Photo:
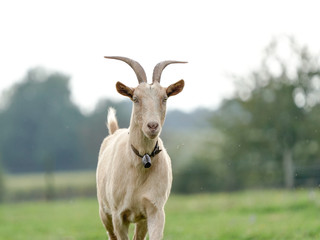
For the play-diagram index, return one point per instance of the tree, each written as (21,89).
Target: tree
(94,129)
(2,187)
(40,122)
(271,113)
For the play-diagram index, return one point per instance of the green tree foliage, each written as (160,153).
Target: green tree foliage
(2,187)
(270,126)
(43,130)
(94,129)
(40,122)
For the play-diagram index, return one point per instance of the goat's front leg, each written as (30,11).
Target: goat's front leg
(107,222)
(120,227)
(156,219)
(140,230)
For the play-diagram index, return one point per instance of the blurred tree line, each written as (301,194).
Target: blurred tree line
(42,128)
(267,135)
(260,137)
(2,183)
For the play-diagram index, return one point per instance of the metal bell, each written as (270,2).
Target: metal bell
(146,161)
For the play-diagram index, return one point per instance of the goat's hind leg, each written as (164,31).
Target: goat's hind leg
(107,222)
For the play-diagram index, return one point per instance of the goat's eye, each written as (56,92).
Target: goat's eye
(135,99)
(164,100)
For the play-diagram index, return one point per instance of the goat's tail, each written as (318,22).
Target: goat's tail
(112,122)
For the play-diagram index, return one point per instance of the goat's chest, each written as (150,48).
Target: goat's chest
(126,192)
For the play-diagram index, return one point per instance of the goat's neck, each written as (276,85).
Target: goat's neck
(140,141)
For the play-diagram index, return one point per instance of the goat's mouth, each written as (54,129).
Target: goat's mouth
(152,134)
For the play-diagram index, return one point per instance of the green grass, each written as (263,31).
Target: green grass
(276,215)
(246,215)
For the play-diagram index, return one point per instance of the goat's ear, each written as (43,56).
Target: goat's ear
(175,88)
(124,90)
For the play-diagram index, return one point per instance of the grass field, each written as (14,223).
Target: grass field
(276,215)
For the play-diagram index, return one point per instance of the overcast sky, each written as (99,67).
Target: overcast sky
(217,38)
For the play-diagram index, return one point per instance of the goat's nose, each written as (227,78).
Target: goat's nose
(153,126)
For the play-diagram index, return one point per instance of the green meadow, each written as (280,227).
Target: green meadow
(272,214)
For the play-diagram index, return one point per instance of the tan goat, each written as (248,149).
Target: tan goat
(134,173)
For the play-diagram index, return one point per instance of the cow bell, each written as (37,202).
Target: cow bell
(146,161)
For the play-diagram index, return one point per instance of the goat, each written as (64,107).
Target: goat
(134,173)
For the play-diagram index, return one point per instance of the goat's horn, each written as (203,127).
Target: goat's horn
(141,75)
(159,68)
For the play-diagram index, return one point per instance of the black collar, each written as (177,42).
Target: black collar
(146,158)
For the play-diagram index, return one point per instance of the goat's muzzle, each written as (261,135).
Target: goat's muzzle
(153,126)
(153,130)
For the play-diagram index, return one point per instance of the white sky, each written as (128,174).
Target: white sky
(216,38)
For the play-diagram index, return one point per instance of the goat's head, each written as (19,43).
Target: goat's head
(149,100)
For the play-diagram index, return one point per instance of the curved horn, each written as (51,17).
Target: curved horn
(140,73)
(159,68)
